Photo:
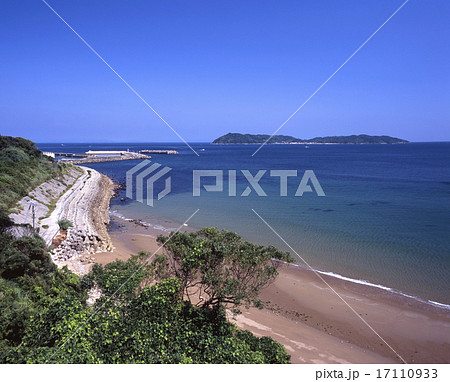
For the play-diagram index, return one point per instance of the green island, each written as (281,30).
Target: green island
(238,138)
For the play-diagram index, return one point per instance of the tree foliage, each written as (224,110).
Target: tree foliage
(218,268)
(28,282)
(156,326)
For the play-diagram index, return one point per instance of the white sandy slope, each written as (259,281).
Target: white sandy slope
(85,204)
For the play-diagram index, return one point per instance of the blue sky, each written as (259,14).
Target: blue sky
(212,67)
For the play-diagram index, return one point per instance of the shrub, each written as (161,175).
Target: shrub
(14,154)
(65,224)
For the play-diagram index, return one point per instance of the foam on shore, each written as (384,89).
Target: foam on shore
(373,285)
(363,282)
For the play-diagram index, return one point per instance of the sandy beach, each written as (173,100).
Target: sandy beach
(314,324)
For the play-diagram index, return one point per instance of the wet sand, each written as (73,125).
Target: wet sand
(313,322)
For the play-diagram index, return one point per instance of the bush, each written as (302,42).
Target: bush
(24,144)
(14,154)
(22,168)
(29,281)
(65,224)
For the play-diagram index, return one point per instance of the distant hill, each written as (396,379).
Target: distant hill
(358,139)
(237,138)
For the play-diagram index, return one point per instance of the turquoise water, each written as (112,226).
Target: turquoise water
(385,218)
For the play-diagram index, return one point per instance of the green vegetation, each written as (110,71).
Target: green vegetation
(236,138)
(218,268)
(22,168)
(358,139)
(142,315)
(29,281)
(64,224)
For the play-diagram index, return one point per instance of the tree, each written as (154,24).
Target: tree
(218,268)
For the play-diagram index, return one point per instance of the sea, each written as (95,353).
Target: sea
(384,218)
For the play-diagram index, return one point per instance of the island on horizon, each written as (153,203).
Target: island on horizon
(238,138)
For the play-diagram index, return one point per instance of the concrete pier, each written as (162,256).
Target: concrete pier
(107,158)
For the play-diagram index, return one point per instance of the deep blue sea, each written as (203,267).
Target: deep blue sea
(384,219)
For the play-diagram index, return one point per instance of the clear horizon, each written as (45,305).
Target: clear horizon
(173,142)
(213,68)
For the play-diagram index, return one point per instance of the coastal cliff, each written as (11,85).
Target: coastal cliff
(87,209)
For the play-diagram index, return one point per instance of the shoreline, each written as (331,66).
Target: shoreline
(416,299)
(430,304)
(311,321)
